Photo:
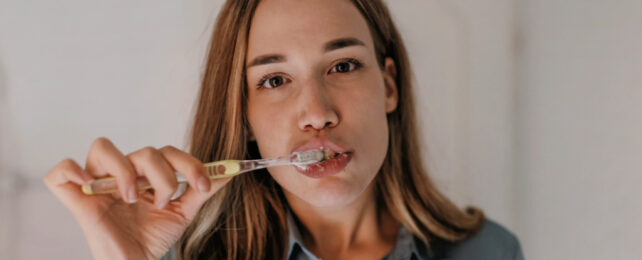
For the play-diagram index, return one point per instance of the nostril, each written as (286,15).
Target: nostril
(318,120)
(319,127)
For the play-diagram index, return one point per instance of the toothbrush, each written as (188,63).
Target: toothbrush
(218,169)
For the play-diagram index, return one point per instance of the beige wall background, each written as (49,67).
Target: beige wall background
(531,110)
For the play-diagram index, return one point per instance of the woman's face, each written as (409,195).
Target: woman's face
(314,83)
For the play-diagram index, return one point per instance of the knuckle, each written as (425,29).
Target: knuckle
(168,148)
(99,145)
(66,163)
(148,152)
(100,142)
(145,153)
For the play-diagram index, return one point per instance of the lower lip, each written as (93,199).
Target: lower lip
(325,168)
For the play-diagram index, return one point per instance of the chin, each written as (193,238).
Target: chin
(327,195)
(330,191)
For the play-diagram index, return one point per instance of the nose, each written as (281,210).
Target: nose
(316,108)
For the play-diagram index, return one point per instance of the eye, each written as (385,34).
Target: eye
(346,66)
(272,81)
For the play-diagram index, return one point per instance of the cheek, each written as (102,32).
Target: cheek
(269,127)
(365,115)
(365,109)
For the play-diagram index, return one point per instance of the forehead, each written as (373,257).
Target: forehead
(279,26)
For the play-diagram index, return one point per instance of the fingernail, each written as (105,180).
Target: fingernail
(203,184)
(133,195)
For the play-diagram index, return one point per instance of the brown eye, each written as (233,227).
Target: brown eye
(345,66)
(276,81)
(273,82)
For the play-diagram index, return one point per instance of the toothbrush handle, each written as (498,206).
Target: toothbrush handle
(214,170)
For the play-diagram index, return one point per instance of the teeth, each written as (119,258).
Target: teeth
(328,154)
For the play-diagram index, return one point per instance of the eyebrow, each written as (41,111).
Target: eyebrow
(266,59)
(342,43)
(330,46)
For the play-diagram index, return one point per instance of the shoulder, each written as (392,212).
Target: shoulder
(492,241)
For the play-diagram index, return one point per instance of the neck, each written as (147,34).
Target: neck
(361,225)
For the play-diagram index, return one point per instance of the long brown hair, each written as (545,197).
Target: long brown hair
(246,219)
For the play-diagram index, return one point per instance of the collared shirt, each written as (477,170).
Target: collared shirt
(491,242)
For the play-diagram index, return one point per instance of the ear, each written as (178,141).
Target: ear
(390,80)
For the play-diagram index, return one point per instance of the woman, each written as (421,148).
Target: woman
(285,76)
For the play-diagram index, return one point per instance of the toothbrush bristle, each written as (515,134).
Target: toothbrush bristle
(315,156)
(309,157)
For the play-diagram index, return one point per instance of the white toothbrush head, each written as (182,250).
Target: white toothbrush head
(312,156)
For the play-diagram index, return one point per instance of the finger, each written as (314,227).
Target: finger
(105,159)
(64,181)
(192,200)
(150,163)
(192,168)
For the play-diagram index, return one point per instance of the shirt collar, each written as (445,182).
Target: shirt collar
(296,250)
(406,247)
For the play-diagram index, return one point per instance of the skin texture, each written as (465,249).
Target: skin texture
(314,93)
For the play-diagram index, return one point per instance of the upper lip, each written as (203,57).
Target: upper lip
(320,143)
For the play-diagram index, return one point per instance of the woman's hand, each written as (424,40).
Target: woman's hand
(132,224)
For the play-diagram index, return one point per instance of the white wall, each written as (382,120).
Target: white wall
(579,129)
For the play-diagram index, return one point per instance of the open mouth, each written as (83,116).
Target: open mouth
(333,163)
(336,158)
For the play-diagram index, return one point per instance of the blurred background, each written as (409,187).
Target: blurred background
(531,110)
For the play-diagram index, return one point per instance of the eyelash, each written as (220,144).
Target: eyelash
(357,65)
(268,77)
